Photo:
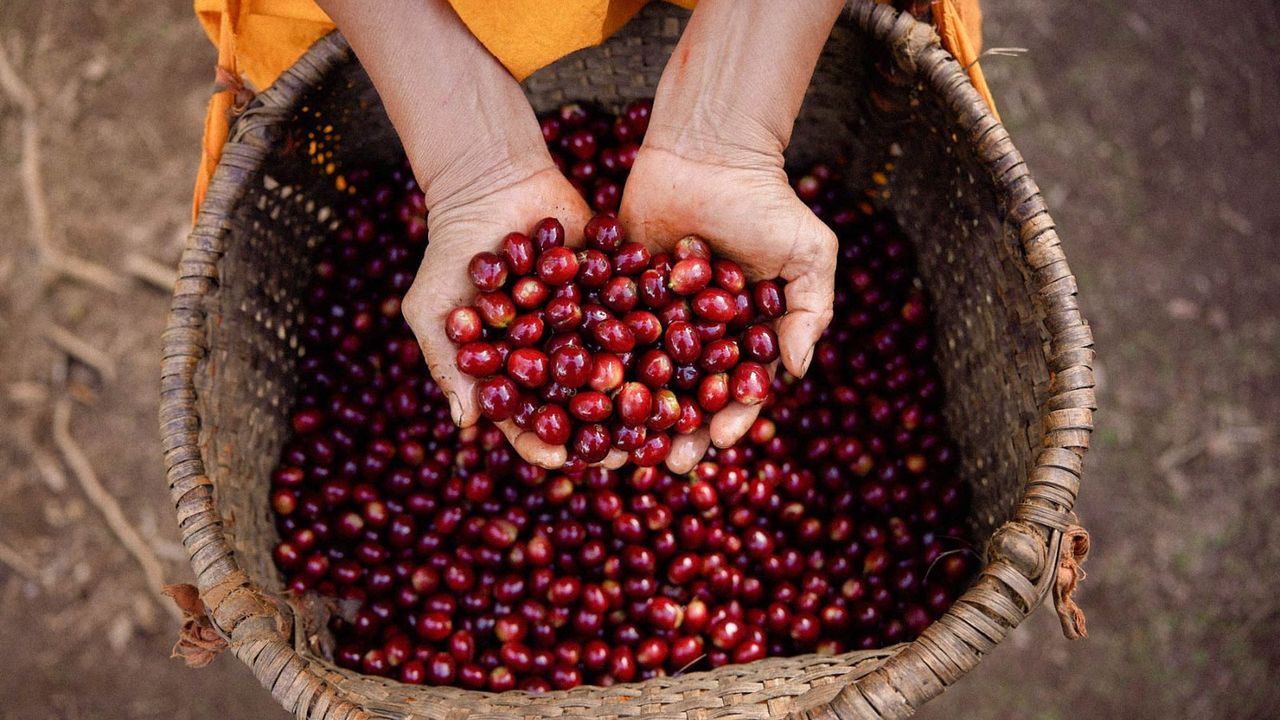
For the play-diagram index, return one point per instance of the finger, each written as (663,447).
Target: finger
(460,390)
(809,294)
(731,423)
(425,308)
(532,449)
(614,460)
(798,333)
(458,387)
(687,450)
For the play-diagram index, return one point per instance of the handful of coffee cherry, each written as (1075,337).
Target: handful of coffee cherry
(611,346)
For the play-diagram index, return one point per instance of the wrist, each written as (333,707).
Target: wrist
(723,137)
(497,149)
(737,78)
(464,121)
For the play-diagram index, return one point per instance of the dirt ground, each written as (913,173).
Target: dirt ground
(1153,130)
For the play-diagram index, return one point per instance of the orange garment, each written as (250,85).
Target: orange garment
(259,39)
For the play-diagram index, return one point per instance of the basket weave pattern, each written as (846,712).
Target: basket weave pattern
(1014,351)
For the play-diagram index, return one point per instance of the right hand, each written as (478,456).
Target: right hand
(460,226)
(479,156)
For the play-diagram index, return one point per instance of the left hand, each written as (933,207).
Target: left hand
(739,201)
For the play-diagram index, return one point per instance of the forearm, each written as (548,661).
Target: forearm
(466,126)
(739,74)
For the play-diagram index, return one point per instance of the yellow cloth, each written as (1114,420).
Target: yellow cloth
(259,39)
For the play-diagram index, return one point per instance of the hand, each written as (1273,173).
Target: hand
(477,221)
(711,165)
(479,156)
(742,205)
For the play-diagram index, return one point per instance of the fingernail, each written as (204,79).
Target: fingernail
(455,409)
(804,364)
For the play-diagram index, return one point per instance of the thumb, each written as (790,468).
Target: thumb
(810,290)
(425,310)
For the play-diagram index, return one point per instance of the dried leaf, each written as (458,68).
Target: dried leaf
(198,642)
(186,597)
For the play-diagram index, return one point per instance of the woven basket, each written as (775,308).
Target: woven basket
(1015,354)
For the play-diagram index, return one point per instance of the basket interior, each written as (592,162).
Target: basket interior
(989,330)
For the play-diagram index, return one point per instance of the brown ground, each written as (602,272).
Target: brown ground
(1153,131)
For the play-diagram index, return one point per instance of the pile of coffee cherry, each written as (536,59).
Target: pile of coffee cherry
(595,149)
(593,346)
(835,524)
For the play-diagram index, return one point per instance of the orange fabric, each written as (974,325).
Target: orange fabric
(260,39)
(959,24)
(527,36)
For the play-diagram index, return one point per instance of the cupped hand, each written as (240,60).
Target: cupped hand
(459,227)
(739,201)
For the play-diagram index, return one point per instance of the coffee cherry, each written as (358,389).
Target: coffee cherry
(685,651)
(727,633)
(653,450)
(497,397)
(571,366)
(434,626)
(655,369)
(690,275)
(761,343)
(665,411)
(620,294)
(715,305)
(413,672)
(630,259)
(768,299)
(563,315)
(594,269)
(703,496)
(750,383)
(651,653)
(714,393)
(645,326)
(614,336)
(592,442)
(488,271)
(603,233)
(462,326)
(518,252)
(582,144)
(528,367)
(525,331)
(690,417)
(557,266)
(719,355)
(547,234)
(634,402)
(478,359)
(591,406)
(682,342)
(528,293)
(728,276)
(496,309)
(551,425)
(629,437)
(691,247)
(664,613)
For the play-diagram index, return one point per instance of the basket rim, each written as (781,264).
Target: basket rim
(1023,553)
